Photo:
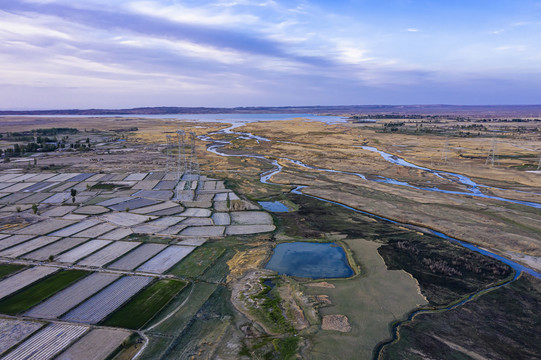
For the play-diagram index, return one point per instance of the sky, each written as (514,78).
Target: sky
(64,54)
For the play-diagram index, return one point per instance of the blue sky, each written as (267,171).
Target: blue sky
(130,53)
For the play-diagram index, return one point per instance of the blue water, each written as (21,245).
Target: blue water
(242,118)
(310,260)
(274,206)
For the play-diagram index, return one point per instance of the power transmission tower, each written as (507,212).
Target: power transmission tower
(491,154)
(445,150)
(194,163)
(181,158)
(168,155)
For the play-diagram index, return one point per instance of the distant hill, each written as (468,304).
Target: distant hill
(457,110)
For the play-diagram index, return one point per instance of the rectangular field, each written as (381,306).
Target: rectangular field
(99,306)
(24,278)
(137,256)
(57,198)
(96,231)
(6,269)
(59,211)
(82,250)
(145,305)
(54,248)
(14,240)
(46,226)
(109,253)
(47,343)
(117,234)
(71,296)
(40,291)
(96,345)
(28,246)
(12,331)
(75,228)
(133,204)
(166,259)
(197,262)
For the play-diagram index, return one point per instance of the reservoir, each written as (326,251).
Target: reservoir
(310,260)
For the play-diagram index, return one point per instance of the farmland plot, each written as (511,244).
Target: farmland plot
(18,281)
(96,231)
(42,177)
(59,210)
(62,187)
(38,186)
(145,185)
(124,218)
(63,177)
(96,345)
(17,187)
(157,175)
(137,256)
(35,198)
(114,201)
(157,225)
(116,234)
(8,177)
(45,227)
(14,198)
(57,198)
(13,331)
(170,211)
(75,228)
(166,259)
(108,300)
(82,251)
(70,297)
(197,212)
(81,177)
(157,207)
(54,248)
(13,240)
(47,343)
(110,253)
(166,185)
(136,177)
(28,246)
(133,204)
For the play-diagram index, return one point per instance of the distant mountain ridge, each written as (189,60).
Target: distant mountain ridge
(458,110)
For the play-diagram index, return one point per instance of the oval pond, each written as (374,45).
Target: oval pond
(310,260)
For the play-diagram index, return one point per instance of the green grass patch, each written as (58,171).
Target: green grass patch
(198,261)
(146,304)
(6,269)
(34,294)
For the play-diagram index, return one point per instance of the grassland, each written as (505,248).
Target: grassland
(370,302)
(198,261)
(34,294)
(464,271)
(6,269)
(145,305)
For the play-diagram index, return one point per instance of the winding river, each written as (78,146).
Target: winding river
(265,177)
(472,190)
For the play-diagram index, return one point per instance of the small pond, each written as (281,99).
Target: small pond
(310,260)
(274,206)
